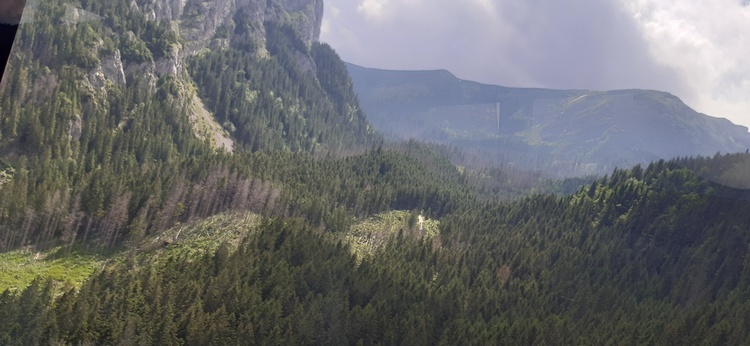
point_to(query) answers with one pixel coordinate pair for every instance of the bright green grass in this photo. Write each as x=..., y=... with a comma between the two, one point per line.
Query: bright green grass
x=18, y=268
x=197, y=238
x=72, y=267
x=370, y=235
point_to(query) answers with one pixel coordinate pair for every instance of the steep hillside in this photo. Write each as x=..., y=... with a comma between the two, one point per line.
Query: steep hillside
x=115, y=113
x=563, y=131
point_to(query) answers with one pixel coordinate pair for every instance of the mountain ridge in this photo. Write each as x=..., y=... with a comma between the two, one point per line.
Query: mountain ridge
x=594, y=130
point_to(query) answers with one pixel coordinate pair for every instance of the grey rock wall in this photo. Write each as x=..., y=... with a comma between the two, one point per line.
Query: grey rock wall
x=198, y=21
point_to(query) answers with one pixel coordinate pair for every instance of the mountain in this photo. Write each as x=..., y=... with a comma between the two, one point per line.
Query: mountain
x=189, y=172
x=117, y=114
x=564, y=131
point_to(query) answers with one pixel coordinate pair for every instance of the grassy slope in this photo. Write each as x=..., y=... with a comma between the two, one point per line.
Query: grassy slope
x=18, y=268
x=71, y=267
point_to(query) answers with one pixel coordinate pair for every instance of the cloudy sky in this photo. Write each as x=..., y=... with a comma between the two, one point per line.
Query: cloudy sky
x=695, y=49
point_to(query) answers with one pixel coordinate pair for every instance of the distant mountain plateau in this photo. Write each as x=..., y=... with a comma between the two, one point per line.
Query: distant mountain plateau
x=560, y=132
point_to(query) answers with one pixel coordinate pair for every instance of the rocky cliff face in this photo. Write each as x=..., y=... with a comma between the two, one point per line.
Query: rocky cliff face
x=205, y=24
x=109, y=69
x=209, y=25
x=168, y=9
x=201, y=25
x=220, y=23
x=310, y=17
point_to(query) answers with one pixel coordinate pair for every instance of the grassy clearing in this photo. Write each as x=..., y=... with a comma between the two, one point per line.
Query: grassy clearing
x=200, y=237
x=68, y=267
x=206, y=127
x=370, y=235
x=71, y=267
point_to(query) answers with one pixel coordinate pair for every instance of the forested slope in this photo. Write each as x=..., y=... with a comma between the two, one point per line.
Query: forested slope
x=271, y=104
x=97, y=140
x=646, y=256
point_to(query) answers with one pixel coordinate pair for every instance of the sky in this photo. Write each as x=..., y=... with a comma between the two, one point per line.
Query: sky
x=695, y=49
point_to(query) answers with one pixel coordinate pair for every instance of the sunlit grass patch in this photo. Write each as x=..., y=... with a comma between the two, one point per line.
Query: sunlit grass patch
x=197, y=238
x=71, y=267
x=368, y=236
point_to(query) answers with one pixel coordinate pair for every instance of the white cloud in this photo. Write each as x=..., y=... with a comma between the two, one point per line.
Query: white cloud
x=373, y=9
x=333, y=11
x=707, y=42
x=325, y=27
